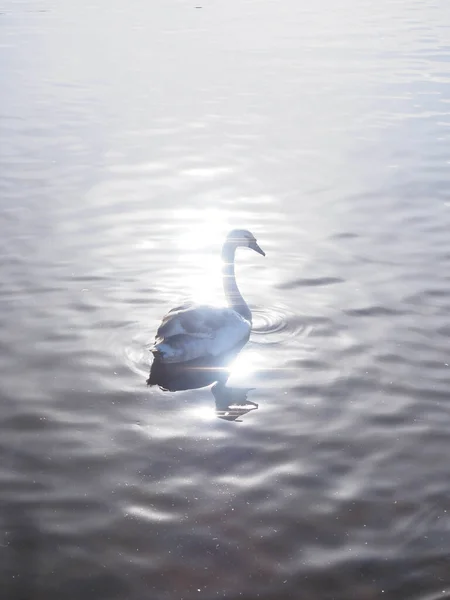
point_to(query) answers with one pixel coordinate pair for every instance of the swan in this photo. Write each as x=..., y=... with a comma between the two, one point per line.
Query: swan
x=190, y=332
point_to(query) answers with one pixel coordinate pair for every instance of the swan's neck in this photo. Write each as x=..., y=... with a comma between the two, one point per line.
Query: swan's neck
x=232, y=293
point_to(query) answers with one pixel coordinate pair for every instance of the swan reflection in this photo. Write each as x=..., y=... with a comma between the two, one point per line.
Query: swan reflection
x=230, y=402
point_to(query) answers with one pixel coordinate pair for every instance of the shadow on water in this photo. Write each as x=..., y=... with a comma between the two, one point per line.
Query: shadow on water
x=231, y=402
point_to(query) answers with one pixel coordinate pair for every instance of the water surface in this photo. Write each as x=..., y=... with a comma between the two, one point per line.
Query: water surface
x=132, y=138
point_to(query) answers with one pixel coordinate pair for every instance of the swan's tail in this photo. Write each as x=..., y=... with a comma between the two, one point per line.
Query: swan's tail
x=164, y=352
x=182, y=348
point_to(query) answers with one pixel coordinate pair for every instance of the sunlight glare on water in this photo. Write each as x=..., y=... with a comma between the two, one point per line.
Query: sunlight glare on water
x=134, y=136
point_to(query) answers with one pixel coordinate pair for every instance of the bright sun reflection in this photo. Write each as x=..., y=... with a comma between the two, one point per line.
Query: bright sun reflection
x=245, y=364
x=206, y=287
x=205, y=412
x=200, y=246
x=204, y=229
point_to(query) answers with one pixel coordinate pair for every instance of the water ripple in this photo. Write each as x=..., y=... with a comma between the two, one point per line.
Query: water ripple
x=130, y=345
x=277, y=324
x=324, y=129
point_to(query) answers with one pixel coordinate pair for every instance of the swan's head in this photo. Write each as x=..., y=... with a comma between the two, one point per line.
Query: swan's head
x=242, y=237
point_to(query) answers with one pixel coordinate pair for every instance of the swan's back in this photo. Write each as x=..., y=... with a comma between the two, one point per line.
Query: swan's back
x=189, y=332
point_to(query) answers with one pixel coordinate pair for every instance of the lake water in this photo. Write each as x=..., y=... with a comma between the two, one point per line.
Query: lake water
x=133, y=136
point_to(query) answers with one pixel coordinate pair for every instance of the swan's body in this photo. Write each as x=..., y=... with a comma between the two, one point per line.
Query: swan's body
x=190, y=331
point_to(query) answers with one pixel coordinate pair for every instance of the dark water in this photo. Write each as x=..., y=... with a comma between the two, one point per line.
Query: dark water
x=133, y=137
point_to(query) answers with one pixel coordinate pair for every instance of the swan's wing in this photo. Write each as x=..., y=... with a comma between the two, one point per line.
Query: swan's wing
x=198, y=321
x=190, y=333
x=186, y=306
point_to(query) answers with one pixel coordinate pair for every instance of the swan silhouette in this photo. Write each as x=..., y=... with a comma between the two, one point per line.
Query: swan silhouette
x=195, y=344
x=190, y=331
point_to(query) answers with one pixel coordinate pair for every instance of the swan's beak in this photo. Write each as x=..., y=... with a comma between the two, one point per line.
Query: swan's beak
x=254, y=246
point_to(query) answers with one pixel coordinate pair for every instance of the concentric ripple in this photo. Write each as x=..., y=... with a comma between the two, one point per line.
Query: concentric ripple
x=136, y=353
x=277, y=324
x=131, y=343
